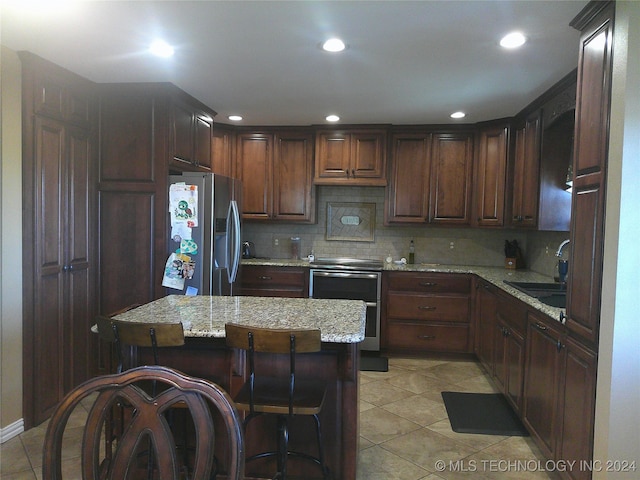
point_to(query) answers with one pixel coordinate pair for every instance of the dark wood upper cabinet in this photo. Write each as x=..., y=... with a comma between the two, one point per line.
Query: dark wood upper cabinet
x=410, y=172
x=276, y=170
x=350, y=157
x=593, y=100
x=490, y=175
x=223, y=150
x=430, y=178
x=526, y=181
x=254, y=167
x=191, y=136
x=451, y=177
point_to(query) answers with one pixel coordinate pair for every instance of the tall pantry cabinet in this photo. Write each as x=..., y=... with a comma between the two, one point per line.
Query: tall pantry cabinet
x=59, y=234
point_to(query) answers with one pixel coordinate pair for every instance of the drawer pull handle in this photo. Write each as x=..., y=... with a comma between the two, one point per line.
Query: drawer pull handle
x=427, y=337
x=539, y=326
x=428, y=284
x=426, y=308
x=264, y=278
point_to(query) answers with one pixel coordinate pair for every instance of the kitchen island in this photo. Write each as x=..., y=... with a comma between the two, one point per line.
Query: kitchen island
x=341, y=323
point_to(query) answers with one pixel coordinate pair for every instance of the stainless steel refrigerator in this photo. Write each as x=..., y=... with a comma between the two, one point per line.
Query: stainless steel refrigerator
x=204, y=241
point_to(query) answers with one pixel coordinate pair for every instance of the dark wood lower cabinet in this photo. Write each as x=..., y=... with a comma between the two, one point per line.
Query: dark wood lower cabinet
x=559, y=395
x=547, y=374
x=485, y=311
x=426, y=312
x=540, y=412
x=576, y=408
x=274, y=281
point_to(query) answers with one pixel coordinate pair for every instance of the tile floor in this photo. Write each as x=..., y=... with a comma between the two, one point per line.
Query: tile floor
x=404, y=431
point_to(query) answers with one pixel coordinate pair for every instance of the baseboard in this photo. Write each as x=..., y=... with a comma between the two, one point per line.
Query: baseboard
x=12, y=430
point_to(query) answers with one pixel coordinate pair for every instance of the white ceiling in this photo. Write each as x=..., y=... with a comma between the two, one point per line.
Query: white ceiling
x=410, y=62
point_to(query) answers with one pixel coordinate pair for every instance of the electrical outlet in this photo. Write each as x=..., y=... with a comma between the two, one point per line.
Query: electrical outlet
x=276, y=242
x=451, y=245
x=546, y=250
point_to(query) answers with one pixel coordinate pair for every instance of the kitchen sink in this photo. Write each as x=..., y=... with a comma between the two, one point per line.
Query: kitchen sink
x=549, y=293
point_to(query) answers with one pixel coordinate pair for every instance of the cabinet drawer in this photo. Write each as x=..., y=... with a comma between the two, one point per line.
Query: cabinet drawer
x=428, y=307
x=441, y=338
x=429, y=282
x=267, y=281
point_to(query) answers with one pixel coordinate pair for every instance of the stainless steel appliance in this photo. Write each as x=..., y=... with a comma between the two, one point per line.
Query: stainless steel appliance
x=214, y=247
x=351, y=279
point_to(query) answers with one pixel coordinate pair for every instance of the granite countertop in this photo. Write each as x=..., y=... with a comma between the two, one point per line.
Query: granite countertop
x=494, y=275
x=339, y=321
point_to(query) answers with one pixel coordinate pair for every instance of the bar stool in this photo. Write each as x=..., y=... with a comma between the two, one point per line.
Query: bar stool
x=284, y=397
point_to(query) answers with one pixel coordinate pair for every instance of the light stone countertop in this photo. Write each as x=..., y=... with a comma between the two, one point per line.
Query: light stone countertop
x=339, y=321
x=494, y=275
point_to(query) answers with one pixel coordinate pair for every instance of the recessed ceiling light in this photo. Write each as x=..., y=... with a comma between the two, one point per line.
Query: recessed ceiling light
x=160, y=48
x=458, y=115
x=333, y=45
x=332, y=118
x=513, y=40
x=234, y=118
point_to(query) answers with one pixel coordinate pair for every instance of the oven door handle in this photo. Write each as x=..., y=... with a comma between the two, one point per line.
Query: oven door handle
x=345, y=275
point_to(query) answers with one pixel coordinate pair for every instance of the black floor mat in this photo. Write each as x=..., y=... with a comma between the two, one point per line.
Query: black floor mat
x=483, y=413
x=374, y=364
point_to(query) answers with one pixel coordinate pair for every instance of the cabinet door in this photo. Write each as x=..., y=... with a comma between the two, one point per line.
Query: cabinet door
x=367, y=158
x=490, y=177
x=293, y=198
x=541, y=384
x=254, y=167
x=485, y=312
x=589, y=168
x=203, y=139
x=182, y=134
x=333, y=150
x=514, y=367
x=408, y=190
x=451, y=170
x=50, y=203
x=63, y=288
x=80, y=256
x=222, y=151
x=526, y=174
x=577, y=407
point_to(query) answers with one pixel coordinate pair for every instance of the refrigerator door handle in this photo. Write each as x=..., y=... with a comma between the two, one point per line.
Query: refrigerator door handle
x=233, y=240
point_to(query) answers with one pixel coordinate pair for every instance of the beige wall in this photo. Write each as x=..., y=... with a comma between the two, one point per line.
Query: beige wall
x=617, y=429
x=11, y=245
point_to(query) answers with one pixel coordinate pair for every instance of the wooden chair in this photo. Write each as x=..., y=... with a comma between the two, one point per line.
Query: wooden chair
x=147, y=422
x=285, y=396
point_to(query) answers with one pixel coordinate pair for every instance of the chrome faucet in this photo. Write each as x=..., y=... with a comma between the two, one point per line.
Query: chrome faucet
x=562, y=245
x=563, y=265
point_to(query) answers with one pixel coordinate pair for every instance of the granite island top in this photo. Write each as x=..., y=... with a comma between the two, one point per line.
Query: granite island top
x=494, y=275
x=339, y=321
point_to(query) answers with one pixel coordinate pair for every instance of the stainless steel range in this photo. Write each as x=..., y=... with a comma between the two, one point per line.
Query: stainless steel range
x=351, y=279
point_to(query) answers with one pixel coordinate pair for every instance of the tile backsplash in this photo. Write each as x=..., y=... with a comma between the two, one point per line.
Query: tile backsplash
x=444, y=245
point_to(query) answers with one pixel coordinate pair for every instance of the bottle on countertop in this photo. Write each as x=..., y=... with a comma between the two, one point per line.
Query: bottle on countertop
x=412, y=253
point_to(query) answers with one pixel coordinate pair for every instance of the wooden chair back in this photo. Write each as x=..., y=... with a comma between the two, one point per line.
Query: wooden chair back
x=270, y=340
x=148, y=423
x=140, y=334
